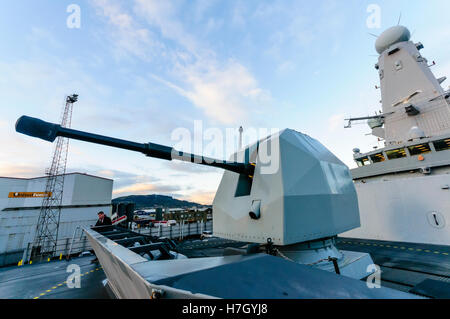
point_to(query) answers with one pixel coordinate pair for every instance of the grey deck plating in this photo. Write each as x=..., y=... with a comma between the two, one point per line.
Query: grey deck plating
x=46, y=280
x=418, y=268
x=251, y=276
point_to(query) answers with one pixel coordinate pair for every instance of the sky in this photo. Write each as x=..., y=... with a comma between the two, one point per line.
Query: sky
x=146, y=70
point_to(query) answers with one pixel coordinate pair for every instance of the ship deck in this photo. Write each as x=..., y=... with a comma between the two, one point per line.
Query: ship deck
x=418, y=268
x=47, y=280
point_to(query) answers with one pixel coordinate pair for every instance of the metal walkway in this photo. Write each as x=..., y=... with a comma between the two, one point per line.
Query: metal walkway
x=48, y=280
x=419, y=268
x=211, y=247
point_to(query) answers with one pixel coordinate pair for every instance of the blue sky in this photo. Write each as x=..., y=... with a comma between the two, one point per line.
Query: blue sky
x=145, y=68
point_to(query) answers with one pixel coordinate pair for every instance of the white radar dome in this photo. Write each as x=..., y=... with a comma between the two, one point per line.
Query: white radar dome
x=392, y=36
x=415, y=133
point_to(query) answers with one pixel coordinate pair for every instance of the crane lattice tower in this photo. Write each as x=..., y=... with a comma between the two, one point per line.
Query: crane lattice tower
x=46, y=236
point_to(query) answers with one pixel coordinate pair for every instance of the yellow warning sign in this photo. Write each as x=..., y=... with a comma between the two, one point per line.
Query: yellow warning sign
x=29, y=194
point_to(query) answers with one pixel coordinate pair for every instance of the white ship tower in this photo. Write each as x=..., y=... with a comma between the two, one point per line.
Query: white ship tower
x=403, y=188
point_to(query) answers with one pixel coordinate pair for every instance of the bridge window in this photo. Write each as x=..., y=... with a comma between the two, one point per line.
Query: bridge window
x=442, y=145
x=376, y=158
x=363, y=161
x=419, y=149
x=398, y=153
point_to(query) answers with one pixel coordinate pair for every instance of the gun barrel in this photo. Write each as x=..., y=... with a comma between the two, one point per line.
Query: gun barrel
x=49, y=131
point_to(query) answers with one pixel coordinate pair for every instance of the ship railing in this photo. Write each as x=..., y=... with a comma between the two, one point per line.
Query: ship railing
x=179, y=231
x=78, y=243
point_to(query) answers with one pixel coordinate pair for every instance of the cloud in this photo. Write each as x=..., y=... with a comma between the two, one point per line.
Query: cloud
x=128, y=36
x=285, y=67
x=121, y=178
x=443, y=70
x=38, y=88
x=225, y=93
x=189, y=167
x=161, y=14
x=335, y=121
x=201, y=197
x=239, y=14
x=146, y=188
x=127, y=183
x=300, y=29
x=295, y=26
x=39, y=35
x=21, y=156
x=224, y=90
x=20, y=170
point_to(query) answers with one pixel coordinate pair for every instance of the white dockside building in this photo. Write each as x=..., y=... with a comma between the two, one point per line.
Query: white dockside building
x=20, y=205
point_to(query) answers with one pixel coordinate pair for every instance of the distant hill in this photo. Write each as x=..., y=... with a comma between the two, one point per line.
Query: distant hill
x=153, y=201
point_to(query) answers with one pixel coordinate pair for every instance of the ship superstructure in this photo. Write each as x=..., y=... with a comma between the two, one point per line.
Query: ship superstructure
x=404, y=188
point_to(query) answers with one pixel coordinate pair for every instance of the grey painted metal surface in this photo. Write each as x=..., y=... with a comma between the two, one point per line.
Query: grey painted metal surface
x=408, y=163
x=406, y=79
x=406, y=266
x=407, y=198
x=392, y=36
x=248, y=277
x=124, y=281
x=404, y=208
x=177, y=231
x=305, y=193
x=47, y=280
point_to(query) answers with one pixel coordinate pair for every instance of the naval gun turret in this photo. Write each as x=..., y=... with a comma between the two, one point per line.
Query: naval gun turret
x=412, y=98
x=288, y=193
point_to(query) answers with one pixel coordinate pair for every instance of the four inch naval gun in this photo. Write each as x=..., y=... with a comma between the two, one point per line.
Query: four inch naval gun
x=49, y=132
x=286, y=192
